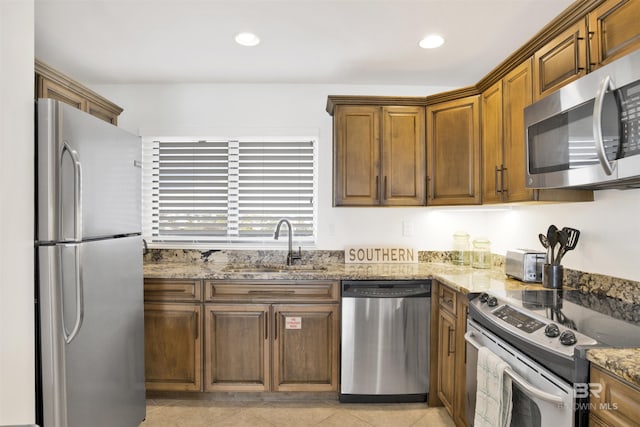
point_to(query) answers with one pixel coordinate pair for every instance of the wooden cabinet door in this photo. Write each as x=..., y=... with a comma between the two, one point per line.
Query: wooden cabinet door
x=237, y=351
x=492, y=138
x=616, y=403
x=173, y=346
x=356, y=156
x=305, y=347
x=460, y=393
x=517, y=94
x=453, y=152
x=615, y=30
x=562, y=60
x=403, y=164
x=446, y=358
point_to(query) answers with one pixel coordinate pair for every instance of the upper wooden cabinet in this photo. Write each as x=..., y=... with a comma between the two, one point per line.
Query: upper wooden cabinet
x=378, y=155
x=50, y=83
x=606, y=33
x=614, y=27
x=504, y=145
x=561, y=61
x=453, y=152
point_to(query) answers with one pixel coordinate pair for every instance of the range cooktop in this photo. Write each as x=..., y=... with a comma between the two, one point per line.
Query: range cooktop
x=556, y=327
x=559, y=320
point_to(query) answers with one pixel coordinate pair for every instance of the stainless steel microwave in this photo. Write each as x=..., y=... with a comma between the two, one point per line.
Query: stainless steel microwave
x=587, y=134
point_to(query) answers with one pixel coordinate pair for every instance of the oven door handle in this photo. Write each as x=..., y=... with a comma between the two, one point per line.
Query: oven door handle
x=528, y=388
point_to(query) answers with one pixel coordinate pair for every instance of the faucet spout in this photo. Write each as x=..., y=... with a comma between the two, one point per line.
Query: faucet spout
x=290, y=255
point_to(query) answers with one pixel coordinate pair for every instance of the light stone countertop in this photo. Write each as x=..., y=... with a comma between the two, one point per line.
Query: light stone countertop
x=463, y=279
x=621, y=362
x=624, y=363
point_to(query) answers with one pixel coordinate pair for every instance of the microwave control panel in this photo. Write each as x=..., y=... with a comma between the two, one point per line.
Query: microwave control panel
x=630, y=118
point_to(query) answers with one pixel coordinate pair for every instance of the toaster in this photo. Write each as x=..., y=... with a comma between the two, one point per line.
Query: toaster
x=525, y=265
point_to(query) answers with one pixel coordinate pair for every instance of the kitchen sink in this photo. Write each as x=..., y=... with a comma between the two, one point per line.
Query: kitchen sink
x=302, y=268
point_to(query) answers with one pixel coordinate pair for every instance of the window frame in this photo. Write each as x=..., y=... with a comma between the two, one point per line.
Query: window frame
x=149, y=169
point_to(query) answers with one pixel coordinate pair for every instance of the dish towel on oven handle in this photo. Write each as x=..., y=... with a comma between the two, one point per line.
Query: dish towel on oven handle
x=493, y=393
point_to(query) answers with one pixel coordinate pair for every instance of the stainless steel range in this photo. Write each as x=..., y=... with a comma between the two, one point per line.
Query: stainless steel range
x=543, y=335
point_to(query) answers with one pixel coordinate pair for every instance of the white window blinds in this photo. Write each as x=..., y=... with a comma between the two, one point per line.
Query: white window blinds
x=227, y=192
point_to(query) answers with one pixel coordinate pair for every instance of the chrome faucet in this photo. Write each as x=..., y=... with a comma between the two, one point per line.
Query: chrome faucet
x=290, y=256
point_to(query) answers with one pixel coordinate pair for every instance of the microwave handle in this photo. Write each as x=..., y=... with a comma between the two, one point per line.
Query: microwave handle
x=605, y=85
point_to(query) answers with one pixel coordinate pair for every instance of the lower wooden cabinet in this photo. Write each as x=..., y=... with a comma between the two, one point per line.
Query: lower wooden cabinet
x=271, y=347
x=256, y=336
x=616, y=403
x=173, y=346
x=237, y=351
x=450, y=375
x=446, y=358
x=305, y=347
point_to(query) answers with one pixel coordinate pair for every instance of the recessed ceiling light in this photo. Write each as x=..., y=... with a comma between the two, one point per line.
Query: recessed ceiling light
x=247, y=39
x=431, y=41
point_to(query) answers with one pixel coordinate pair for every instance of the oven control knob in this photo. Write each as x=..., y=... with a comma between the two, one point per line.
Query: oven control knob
x=568, y=338
x=492, y=301
x=484, y=297
x=552, y=330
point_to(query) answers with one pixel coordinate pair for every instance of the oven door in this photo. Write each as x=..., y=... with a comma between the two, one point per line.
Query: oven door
x=539, y=397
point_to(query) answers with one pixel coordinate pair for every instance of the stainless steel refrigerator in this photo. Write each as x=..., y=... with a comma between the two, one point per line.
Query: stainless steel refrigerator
x=89, y=284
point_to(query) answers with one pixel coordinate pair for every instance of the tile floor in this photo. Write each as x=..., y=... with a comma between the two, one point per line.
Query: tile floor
x=324, y=413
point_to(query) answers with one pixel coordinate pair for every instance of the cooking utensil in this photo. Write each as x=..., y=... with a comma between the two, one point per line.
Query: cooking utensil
x=563, y=238
x=552, y=238
x=543, y=240
x=572, y=240
x=545, y=243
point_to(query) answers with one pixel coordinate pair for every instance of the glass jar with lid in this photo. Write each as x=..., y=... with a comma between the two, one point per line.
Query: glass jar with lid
x=481, y=254
x=460, y=254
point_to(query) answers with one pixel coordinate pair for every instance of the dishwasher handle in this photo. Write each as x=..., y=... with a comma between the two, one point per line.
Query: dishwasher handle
x=386, y=289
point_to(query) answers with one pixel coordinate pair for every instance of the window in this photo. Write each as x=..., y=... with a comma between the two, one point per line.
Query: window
x=222, y=193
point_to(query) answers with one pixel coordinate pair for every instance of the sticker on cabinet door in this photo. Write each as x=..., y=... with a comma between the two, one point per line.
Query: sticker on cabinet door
x=293, y=322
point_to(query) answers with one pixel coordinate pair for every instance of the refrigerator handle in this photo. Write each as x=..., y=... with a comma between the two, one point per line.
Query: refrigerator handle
x=77, y=190
x=68, y=337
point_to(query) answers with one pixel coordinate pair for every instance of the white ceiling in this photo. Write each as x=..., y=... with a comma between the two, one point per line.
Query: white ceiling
x=303, y=41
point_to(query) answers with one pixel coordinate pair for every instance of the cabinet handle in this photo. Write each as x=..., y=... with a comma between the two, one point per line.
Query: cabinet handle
x=377, y=187
x=429, y=188
x=197, y=329
x=385, y=187
x=505, y=191
x=498, y=191
x=271, y=292
x=449, y=351
x=266, y=327
x=275, y=326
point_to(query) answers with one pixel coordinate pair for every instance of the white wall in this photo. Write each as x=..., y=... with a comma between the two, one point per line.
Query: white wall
x=609, y=225
x=17, y=401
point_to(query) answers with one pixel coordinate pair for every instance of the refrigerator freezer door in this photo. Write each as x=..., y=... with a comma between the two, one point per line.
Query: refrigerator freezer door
x=88, y=176
x=97, y=378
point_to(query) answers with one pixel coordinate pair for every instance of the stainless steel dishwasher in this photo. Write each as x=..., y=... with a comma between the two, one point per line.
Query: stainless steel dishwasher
x=385, y=340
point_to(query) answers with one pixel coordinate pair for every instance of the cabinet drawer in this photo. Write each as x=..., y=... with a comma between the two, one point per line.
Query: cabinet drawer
x=447, y=299
x=617, y=403
x=172, y=290
x=270, y=291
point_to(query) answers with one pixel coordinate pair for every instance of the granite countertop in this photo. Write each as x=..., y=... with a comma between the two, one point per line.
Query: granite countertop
x=624, y=363
x=621, y=362
x=463, y=279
